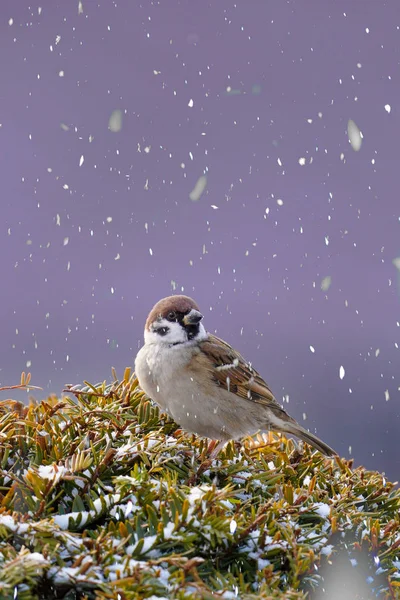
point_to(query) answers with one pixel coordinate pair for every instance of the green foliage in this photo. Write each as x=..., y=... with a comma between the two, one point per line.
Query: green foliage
x=102, y=497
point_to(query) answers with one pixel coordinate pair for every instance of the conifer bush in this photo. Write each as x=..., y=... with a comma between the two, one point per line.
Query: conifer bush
x=103, y=497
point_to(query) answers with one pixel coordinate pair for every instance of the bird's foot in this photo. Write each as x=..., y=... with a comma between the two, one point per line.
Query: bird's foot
x=207, y=458
x=202, y=468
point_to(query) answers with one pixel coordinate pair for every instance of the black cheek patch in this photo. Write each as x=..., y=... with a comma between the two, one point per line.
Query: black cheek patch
x=192, y=331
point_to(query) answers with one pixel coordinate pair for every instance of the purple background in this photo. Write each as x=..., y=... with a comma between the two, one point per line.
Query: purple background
x=69, y=311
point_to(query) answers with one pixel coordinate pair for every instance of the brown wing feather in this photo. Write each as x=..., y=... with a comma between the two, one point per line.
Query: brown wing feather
x=232, y=372
x=241, y=379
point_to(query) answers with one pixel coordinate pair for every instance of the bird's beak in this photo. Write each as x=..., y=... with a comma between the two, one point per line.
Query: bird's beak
x=192, y=318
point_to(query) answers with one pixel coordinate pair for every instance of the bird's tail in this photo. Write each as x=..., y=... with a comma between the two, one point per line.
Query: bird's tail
x=310, y=438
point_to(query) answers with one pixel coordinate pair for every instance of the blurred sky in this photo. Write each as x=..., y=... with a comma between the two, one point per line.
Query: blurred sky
x=96, y=225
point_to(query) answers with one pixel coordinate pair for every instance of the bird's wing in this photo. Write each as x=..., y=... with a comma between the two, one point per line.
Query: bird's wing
x=230, y=371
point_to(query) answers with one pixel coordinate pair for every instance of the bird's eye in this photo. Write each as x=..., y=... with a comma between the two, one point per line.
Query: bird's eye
x=161, y=330
x=171, y=316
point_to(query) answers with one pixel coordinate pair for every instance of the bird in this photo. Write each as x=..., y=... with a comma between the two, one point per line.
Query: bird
x=203, y=383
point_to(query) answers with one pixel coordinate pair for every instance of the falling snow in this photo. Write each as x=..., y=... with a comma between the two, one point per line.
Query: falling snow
x=115, y=121
x=354, y=134
x=326, y=283
x=169, y=162
x=198, y=189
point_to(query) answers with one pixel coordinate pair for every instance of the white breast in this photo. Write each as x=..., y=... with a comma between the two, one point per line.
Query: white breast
x=157, y=367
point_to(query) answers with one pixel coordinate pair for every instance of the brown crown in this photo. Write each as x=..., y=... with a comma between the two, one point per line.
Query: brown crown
x=181, y=304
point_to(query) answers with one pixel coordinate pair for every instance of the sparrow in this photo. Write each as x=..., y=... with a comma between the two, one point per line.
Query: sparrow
x=205, y=385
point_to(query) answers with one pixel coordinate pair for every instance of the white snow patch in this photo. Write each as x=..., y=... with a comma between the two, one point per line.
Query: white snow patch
x=149, y=542
x=63, y=520
x=168, y=530
x=53, y=472
x=132, y=449
x=323, y=510
x=67, y=575
x=35, y=557
x=198, y=492
x=8, y=521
